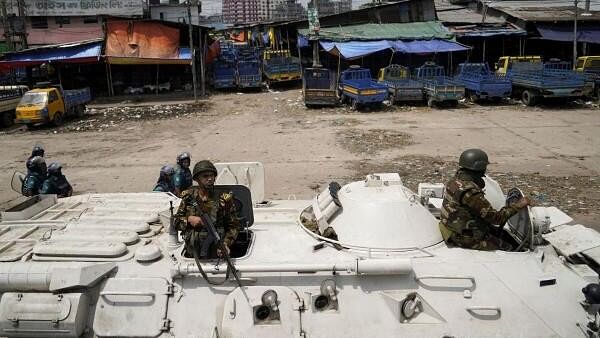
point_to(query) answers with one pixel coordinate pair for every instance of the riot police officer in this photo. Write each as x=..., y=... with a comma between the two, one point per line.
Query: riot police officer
x=183, y=177
x=165, y=179
x=36, y=175
x=37, y=150
x=220, y=207
x=56, y=183
x=467, y=218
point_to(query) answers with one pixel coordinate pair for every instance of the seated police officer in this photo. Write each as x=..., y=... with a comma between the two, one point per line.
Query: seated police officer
x=37, y=150
x=36, y=174
x=165, y=180
x=56, y=183
x=467, y=218
x=219, y=207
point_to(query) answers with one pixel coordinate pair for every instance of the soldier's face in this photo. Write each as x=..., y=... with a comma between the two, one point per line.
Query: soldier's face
x=185, y=163
x=206, y=179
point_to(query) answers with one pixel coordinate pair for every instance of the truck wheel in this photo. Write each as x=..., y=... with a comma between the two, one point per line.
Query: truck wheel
x=528, y=98
x=58, y=119
x=80, y=111
x=7, y=119
x=430, y=102
x=355, y=104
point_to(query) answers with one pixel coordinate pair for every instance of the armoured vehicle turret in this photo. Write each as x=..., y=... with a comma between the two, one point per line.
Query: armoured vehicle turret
x=358, y=260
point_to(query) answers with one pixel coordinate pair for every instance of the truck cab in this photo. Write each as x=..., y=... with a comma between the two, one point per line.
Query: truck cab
x=589, y=66
x=9, y=99
x=505, y=62
x=51, y=105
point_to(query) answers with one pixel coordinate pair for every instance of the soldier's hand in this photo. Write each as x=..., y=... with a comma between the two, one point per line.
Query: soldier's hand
x=195, y=221
x=220, y=252
x=522, y=203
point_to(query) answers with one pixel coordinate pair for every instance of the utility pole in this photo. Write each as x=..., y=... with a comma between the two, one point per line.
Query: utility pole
x=7, y=32
x=575, y=37
x=191, y=31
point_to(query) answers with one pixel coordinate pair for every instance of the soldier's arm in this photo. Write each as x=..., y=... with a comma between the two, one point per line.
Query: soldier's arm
x=478, y=204
x=233, y=222
x=181, y=215
x=46, y=188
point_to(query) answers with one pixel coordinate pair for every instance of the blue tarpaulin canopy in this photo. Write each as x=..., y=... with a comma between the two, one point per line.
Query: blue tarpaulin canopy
x=590, y=34
x=356, y=49
x=71, y=53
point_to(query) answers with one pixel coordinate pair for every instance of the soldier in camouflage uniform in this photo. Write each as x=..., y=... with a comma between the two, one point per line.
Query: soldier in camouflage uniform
x=203, y=199
x=467, y=218
x=183, y=177
x=35, y=177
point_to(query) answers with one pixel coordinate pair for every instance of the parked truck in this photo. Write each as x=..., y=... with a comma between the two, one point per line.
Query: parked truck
x=9, y=100
x=481, y=83
x=438, y=88
x=400, y=86
x=280, y=66
x=505, y=62
x=249, y=73
x=589, y=66
x=534, y=81
x=319, y=87
x=51, y=105
x=357, y=87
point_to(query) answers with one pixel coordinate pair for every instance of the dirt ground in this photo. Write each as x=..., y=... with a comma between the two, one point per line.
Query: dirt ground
x=551, y=152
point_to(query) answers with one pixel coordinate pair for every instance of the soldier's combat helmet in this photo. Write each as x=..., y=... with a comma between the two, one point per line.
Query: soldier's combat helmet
x=38, y=164
x=54, y=169
x=203, y=166
x=473, y=159
x=183, y=156
x=37, y=150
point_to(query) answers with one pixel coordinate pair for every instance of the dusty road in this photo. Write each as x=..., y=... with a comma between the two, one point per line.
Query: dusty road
x=552, y=153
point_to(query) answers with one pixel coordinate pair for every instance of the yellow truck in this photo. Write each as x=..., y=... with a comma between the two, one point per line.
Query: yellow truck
x=51, y=105
x=589, y=66
x=505, y=62
x=10, y=96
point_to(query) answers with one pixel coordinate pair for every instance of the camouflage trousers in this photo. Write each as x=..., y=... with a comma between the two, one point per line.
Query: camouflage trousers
x=486, y=242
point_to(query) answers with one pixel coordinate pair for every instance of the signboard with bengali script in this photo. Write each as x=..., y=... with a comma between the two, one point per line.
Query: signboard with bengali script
x=84, y=7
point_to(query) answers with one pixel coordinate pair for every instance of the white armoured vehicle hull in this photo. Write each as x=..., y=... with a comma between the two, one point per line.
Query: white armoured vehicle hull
x=102, y=265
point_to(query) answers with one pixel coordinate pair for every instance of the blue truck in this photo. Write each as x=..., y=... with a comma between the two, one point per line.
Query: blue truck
x=249, y=73
x=400, y=86
x=437, y=87
x=357, y=87
x=481, y=83
x=280, y=66
x=319, y=87
x=534, y=81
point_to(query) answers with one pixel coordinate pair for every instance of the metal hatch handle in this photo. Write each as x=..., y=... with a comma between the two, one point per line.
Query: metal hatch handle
x=127, y=293
x=469, y=278
x=473, y=310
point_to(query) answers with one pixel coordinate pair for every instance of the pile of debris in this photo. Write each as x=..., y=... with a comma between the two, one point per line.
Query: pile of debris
x=98, y=119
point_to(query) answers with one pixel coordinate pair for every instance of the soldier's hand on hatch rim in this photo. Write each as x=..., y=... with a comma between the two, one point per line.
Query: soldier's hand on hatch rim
x=220, y=252
x=522, y=203
x=195, y=221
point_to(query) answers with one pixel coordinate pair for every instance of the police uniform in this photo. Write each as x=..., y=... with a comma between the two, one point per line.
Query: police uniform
x=32, y=183
x=182, y=179
x=57, y=184
x=221, y=211
x=467, y=216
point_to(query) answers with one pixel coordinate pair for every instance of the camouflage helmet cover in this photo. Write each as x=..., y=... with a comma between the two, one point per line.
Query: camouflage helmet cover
x=203, y=166
x=473, y=159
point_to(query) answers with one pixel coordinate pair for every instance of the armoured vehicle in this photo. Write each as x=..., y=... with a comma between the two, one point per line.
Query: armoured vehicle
x=359, y=260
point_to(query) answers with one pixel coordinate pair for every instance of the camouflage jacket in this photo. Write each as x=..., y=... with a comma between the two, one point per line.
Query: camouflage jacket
x=32, y=184
x=182, y=179
x=57, y=185
x=220, y=209
x=466, y=211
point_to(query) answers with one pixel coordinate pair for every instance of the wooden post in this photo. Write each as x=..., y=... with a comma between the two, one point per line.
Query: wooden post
x=156, y=90
x=202, y=44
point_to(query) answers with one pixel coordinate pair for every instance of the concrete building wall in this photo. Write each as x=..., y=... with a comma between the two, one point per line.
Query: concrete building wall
x=174, y=13
x=240, y=11
x=56, y=30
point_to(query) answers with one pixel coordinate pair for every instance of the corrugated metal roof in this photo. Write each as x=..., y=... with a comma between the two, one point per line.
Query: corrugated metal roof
x=388, y=31
x=487, y=30
x=548, y=10
x=451, y=13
